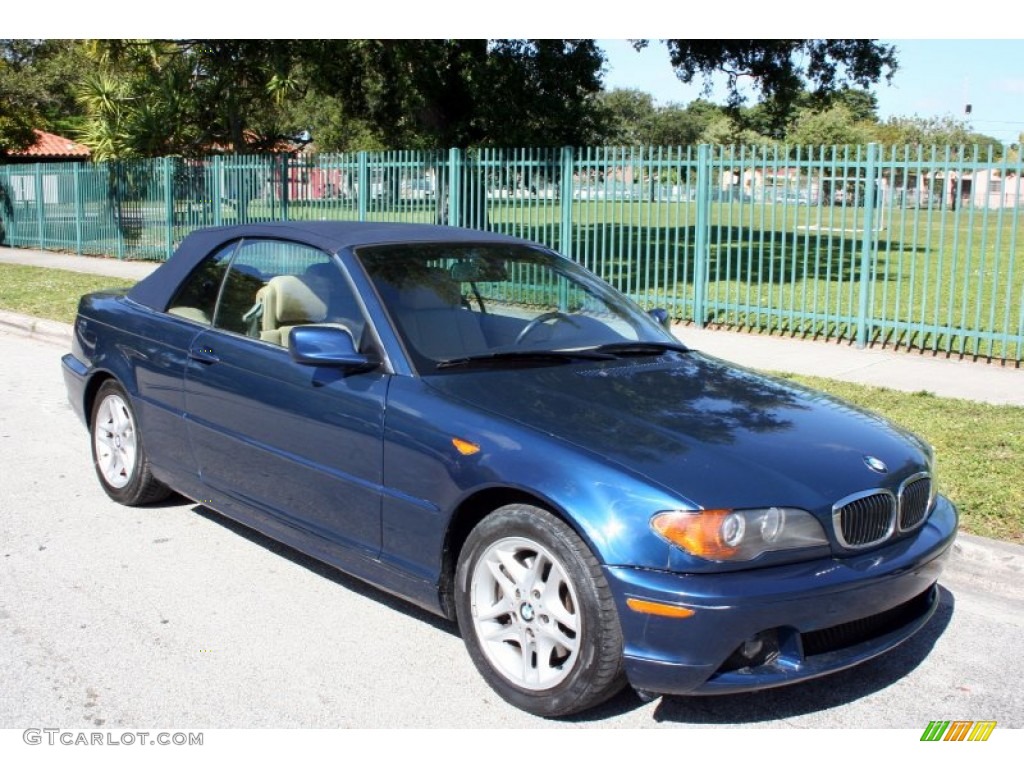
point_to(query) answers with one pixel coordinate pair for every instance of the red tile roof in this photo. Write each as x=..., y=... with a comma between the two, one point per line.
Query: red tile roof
x=51, y=145
x=281, y=146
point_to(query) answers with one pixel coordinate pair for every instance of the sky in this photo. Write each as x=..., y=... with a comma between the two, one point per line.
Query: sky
x=935, y=78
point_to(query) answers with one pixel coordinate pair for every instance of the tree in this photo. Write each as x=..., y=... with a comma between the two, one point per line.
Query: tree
x=463, y=93
x=626, y=114
x=18, y=115
x=1013, y=153
x=248, y=94
x=674, y=125
x=147, y=97
x=946, y=131
x=37, y=89
x=629, y=117
x=726, y=130
x=185, y=97
x=775, y=118
x=835, y=126
x=861, y=104
x=334, y=130
x=781, y=70
x=436, y=94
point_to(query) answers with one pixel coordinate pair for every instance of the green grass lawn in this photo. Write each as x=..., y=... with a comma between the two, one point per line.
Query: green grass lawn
x=49, y=293
x=980, y=447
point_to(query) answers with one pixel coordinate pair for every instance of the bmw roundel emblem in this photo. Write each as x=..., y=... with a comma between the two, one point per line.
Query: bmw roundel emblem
x=876, y=465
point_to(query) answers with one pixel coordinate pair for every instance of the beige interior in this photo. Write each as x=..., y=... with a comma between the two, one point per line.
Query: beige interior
x=288, y=301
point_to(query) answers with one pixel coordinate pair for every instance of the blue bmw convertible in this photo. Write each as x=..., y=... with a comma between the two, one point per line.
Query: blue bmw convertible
x=480, y=426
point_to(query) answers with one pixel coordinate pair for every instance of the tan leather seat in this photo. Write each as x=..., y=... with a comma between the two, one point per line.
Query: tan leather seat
x=288, y=301
x=190, y=313
x=435, y=322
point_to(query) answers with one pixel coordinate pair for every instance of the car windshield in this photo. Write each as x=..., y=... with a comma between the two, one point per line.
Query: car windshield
x=459, y=306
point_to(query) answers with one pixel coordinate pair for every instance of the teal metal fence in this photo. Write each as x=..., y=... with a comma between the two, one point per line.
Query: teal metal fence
x=913, y=248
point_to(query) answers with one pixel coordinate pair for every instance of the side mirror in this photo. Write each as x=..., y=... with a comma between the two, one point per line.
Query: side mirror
x=661, y=317
x=327, y=345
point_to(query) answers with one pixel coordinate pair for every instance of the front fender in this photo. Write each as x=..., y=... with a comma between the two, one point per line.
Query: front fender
x=426, y=479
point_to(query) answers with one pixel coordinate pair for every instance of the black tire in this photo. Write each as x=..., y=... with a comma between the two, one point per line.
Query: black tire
x=555, y=648
x=118, y=455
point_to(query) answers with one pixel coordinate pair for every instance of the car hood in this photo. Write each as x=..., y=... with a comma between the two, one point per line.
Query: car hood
x=714, y=434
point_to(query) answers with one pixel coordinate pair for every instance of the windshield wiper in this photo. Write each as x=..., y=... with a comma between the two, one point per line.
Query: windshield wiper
x=631, y=348
x=544, y=356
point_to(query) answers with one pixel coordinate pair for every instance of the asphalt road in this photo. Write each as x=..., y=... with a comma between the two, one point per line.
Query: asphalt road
x=172, y=617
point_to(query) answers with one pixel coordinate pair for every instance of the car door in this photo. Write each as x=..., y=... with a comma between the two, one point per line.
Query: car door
x=160, y=359
x=297, y=446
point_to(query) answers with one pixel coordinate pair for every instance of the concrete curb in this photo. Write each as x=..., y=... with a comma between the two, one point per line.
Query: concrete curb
x=49, y=331
x=991, y=554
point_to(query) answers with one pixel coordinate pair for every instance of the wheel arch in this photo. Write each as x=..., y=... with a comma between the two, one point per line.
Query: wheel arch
x=467, y=516
x=140, y=486
x=92, y=387
x=583, y=652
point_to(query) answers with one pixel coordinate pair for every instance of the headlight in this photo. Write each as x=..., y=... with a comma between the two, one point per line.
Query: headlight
x=739, y=534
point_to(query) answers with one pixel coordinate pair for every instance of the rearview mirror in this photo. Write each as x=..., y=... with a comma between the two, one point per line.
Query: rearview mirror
x=661, y=316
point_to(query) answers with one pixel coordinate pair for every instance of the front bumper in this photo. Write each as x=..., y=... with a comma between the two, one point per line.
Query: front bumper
x=815, y=617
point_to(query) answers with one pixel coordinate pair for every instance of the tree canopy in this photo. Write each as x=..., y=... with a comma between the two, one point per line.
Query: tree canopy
x=781, y=70
x=138, y=98
x=36, y=89
x=460, y=93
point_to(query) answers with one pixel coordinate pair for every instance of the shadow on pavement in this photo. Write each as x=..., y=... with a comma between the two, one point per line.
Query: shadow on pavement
x=743, y=708
x=331, y=574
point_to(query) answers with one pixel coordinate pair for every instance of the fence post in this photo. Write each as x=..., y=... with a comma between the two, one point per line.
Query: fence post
x=40, y=212
x=565, y=231
x=218, y=190
x=701, y=245
x=6, y=193
x=286, y=169
x=454, y=187
x=169, y=205
x=79, y=211
x=363, y=185
x=867, y=243
x=115, y=167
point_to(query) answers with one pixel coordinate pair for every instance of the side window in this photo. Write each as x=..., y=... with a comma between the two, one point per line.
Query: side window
x=274, y=286
x=197, y=297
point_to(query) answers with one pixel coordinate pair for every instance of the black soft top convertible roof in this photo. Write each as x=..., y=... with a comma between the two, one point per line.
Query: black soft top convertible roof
x=157, y=290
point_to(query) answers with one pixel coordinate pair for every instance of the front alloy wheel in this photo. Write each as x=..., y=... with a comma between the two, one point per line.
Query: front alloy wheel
x=536, y=613
x=525, y=613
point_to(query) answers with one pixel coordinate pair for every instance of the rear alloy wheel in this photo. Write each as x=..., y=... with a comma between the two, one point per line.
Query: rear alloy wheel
x=536, y=613
x=117, y=452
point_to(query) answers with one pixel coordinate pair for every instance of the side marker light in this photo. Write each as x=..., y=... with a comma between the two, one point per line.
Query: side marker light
x=659, y=609
x=465, y=447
